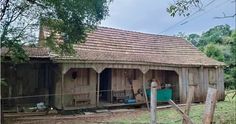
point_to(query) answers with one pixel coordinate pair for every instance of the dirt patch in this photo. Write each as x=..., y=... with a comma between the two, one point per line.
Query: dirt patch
x=107, y=117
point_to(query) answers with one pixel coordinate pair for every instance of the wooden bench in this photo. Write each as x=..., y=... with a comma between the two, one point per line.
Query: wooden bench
x=81, y=99
x=118, y=96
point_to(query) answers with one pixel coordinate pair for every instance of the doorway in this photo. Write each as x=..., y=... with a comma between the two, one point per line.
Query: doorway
x=105, y=86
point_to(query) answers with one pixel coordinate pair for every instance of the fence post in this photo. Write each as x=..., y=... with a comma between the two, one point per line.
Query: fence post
x=189, y=101
x=153, y=102
x=210, y=105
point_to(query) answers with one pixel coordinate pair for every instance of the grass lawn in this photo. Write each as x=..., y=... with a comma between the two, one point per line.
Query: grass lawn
x=225, y=113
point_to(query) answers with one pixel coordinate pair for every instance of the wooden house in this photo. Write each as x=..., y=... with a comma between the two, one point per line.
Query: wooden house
x=112, y=63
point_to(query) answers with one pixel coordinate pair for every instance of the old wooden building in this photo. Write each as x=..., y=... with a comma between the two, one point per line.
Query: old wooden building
x=111, y=63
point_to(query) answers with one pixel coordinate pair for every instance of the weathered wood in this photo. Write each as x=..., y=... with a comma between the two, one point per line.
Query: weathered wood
x=189, y=101
x=212, y=77
x=169, y=106
x=210, y=106
x=234, y=95
x=98, y=88
x=220, y=84
x=183, y=84
x=136, y=87
x=57, y=79
x=201, y=83
x=145, y=94
x=153, y=102
x=205, y=82
x=180, y=85
x=217, y=71
x=195, y=80
x=62, y=91
x=189, y=121
x=92, y=85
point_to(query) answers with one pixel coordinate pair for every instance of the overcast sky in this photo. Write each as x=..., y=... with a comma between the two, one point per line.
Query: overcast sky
x=150, y=16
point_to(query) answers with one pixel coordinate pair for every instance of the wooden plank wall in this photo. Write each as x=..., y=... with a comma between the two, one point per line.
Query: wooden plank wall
x=27, y=80
x=58, y=80
x=215, y=79
x=194, y=72
x=201, y=78
x=120, y=78
x=183, y=82
x=85, y=82
x=155, y=74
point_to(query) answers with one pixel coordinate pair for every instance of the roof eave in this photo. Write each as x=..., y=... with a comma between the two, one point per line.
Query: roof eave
x=74, y=60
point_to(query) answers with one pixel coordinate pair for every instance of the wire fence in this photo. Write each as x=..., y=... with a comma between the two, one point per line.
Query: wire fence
x=224, y=113
x=61, y=94
x=101, y=98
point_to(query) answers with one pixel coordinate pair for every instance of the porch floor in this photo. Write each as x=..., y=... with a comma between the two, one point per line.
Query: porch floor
x=104, y=105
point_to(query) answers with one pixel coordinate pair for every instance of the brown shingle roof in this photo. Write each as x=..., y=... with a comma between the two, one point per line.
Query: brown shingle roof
x=115, y=45
x=109, y=44
x=33, y=52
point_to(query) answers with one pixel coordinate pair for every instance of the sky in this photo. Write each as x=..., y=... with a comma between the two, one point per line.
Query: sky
x=150, y=16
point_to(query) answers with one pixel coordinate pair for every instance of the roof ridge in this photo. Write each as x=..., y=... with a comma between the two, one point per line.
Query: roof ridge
x=145, y=33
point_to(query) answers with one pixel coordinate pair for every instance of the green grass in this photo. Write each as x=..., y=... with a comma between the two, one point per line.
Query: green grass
x=225, y=112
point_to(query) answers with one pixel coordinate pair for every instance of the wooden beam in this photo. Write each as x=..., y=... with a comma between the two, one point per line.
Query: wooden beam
x=189, y=121
x=62, y=91
x=98, y=88
x=210, y=105
x=144, y=91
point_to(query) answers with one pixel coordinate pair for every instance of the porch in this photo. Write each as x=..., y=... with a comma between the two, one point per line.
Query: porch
x=88, y=86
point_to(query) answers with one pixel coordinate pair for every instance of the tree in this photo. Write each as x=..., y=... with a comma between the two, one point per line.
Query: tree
x=194, y=39
x=232, y=65
x=233, y=48
x=72, y=19
x=182, y=35
x=214, y=51
x=183, y=7
x=215, y=35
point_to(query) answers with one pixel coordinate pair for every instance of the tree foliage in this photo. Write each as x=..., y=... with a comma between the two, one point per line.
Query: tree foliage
x=214, y=51
x=183, y=7
x=215, y=35
x=72, y=19
x=194, y=39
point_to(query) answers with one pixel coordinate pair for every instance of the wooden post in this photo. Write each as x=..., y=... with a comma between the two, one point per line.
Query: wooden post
x=98, y=88
x=62, y=91
x=144, y=91
x=189, y=121
x=189, y=101
x=210, y=105
x=153, y=102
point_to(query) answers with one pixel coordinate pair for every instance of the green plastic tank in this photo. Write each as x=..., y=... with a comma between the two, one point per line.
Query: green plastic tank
x=163, y=95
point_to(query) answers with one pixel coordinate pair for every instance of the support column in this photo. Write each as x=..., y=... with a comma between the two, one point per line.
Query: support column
x=183, y=84
x=64, y=69
x=201, y=83
x=144, y=90
x=98, y=87
x=62, y=91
